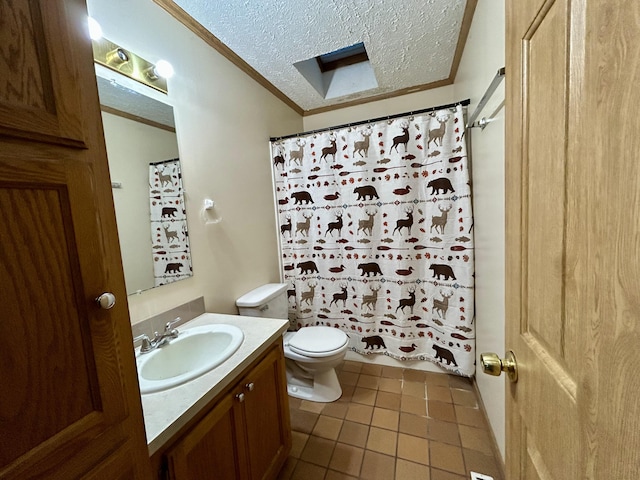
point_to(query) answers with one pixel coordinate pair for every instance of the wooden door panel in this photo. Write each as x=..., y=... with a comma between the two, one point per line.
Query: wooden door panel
x=19, y=40
x=119, y=466
x=62, y=353
x=549, y=382
x=544, y=84
x=62, y=385
x=37, y=67
x=547, y=407
x=266, y=414
x=212, y=449
x=533, y=468
x=539, y=185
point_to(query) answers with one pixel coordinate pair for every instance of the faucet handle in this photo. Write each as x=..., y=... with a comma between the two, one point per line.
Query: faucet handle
x=169, y=326
x=146, y=345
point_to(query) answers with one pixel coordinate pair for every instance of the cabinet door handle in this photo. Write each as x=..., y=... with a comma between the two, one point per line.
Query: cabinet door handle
x=250, y=386
x=240, y=397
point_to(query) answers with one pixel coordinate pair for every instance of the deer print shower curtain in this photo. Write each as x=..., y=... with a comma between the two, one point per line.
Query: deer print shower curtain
x=169, y=236
x=376, y=236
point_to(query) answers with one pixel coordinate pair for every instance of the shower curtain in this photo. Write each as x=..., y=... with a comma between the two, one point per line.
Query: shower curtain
x=169, y=235
x=376, y=236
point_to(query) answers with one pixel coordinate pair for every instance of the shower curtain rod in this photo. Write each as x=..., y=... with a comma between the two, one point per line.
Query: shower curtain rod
x=471, y=123
x=164, y=161
x=372, y=120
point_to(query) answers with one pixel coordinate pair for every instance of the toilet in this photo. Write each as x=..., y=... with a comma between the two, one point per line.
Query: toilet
x=311, y=353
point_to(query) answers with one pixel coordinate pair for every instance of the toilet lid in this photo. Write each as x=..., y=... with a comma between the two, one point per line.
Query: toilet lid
x=317, y=341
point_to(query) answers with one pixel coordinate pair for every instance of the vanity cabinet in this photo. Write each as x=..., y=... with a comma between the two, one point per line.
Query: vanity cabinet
x=244, y=434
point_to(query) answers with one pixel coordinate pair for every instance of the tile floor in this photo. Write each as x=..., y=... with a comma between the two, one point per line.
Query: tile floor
x=391, y=423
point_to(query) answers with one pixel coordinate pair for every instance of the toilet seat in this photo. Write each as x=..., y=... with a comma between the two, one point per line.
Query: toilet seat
x=316, y=342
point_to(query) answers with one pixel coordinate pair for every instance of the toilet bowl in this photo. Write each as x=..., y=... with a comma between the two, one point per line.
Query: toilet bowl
x=311, y=353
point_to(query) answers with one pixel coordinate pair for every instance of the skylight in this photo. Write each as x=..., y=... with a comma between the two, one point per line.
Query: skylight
x=345, y=71
x=342, y=57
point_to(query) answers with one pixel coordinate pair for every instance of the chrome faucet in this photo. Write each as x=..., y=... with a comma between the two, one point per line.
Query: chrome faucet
x=159, y=339
x=169, y=333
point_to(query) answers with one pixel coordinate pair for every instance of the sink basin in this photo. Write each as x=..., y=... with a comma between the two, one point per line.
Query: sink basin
x=196, y=351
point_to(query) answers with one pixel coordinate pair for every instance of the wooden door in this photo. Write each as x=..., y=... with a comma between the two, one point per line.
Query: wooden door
x=214, y=448
x=266, y=413
x=573, y=238
x=70, y=404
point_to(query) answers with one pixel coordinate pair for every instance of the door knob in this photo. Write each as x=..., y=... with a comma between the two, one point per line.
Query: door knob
x=240, y=397
x=494, y=365
x=107, y=300
x=250, y=386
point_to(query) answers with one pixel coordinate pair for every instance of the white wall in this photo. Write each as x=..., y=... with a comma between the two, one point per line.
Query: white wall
x=224, y=120
x=131, y=146
x=482, y=57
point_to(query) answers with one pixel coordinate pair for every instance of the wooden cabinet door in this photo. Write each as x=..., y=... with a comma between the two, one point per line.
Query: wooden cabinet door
x=214, y=448
x=70, y=405
x=246, y=435
x=266, y=413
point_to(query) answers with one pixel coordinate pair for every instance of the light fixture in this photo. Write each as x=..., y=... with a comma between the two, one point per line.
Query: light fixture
x=117, y=57
x=126, y=62
x=151, y=73
x=164, y=69
x=95, y=30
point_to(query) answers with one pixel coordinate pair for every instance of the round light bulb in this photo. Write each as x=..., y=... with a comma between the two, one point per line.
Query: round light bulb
x=164, y=69
x=95, y=30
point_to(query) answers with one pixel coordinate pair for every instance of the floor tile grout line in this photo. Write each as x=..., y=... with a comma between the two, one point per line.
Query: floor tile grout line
x=399, y=411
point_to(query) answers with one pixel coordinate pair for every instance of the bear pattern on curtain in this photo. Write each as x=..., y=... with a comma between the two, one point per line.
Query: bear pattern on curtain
x=376, y=236
x=169, y=235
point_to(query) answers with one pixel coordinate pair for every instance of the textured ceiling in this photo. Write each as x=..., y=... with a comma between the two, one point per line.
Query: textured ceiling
x=410, y=43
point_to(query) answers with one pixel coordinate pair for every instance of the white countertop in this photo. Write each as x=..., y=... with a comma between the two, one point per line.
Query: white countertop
x=166, y=412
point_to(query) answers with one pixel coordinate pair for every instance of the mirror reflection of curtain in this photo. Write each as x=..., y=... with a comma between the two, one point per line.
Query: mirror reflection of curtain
x=169, y=235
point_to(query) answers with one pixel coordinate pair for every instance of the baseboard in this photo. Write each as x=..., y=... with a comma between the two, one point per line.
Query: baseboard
x=494, y=444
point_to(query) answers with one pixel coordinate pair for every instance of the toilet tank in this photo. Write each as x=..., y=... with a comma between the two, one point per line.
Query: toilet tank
x=268, y=301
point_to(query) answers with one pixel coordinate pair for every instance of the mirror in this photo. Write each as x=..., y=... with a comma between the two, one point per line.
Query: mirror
x=142, y=149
